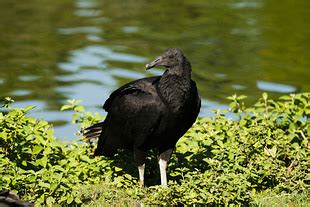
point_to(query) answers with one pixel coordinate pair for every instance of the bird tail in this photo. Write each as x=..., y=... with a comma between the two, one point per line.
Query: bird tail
x=94, y=131
x=98, y=131
x=107, y=144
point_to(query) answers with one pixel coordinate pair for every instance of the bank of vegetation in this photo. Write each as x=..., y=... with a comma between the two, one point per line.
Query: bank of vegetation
x=247, y=155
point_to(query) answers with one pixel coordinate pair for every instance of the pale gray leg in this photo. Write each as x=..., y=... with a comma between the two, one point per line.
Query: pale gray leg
x=141, y=174
x=140, y=163
x=163, y=164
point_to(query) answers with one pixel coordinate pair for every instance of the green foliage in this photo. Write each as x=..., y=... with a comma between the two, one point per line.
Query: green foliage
x=80, y=116
x=41, y=168
x=265, y=147
x=269, y=198
x=6, y=101
x=228, y=159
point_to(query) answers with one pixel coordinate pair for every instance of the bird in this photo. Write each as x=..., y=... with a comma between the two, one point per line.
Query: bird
x=11, y=199
x=150, y=113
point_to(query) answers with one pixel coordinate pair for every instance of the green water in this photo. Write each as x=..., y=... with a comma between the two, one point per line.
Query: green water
x=51, y=51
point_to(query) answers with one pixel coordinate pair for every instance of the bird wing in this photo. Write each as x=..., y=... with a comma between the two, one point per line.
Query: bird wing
x=142, y=85
x=190, y=110
x=196, y=99
x=193, y=106
x=134, y=112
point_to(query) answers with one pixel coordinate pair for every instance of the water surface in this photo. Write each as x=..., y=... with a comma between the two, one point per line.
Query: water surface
x=51, y=51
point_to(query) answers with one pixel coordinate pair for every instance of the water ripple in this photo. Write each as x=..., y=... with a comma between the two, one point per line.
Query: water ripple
x=76, y=30
x=86, y=4
x=87, y=13
x=275, y=87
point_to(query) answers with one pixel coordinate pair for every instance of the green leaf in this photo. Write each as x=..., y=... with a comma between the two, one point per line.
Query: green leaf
x=37, y=149
x=232, y=105
x=50, y=201
x=32, y=178
x=220, y=143
x=69, y=199
x=44, y=184
x=241, y=97
x=265, y=96
x=28, y=108
x=77, y=200
x=273, y=151
x=24, y=163
x=286, y=97
x=79, y=109
x=41, y=199
x=42, y=161
x=65, y=107
x=74, y=102
x=53, y=186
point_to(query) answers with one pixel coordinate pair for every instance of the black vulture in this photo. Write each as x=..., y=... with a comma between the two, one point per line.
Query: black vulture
x=10, y=199
x=152, y=112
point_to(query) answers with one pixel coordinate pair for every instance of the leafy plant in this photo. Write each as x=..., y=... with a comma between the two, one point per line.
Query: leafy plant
x=266, y=147
x=40, y=167
x=228, y=159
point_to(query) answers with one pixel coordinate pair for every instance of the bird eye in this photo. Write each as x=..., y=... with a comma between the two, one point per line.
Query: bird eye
x=170, y=56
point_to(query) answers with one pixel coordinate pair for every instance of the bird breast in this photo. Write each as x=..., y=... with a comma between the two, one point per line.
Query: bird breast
x=174, y=91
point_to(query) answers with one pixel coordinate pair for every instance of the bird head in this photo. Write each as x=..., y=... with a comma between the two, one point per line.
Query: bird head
x=170, y=58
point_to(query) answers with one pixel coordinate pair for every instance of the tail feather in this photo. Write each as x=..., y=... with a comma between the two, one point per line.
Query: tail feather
x=107, y=144
x=94, y=131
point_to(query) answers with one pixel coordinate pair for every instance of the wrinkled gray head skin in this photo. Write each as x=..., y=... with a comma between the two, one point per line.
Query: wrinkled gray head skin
x=170, y=58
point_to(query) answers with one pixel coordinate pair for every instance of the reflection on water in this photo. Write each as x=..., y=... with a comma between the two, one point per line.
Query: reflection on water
x=275, y=87
x=84, y=49
x=76, y=30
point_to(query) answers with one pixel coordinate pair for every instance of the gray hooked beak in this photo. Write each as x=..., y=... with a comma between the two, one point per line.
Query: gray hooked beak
x=156, y=62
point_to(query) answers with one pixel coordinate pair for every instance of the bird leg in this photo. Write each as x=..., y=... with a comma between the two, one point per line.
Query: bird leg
x=140, y=157
x=164, y=158
x=141, y=174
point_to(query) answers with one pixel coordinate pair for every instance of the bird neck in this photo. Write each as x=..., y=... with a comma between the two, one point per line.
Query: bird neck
x=174, y=86
x=184, y=69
